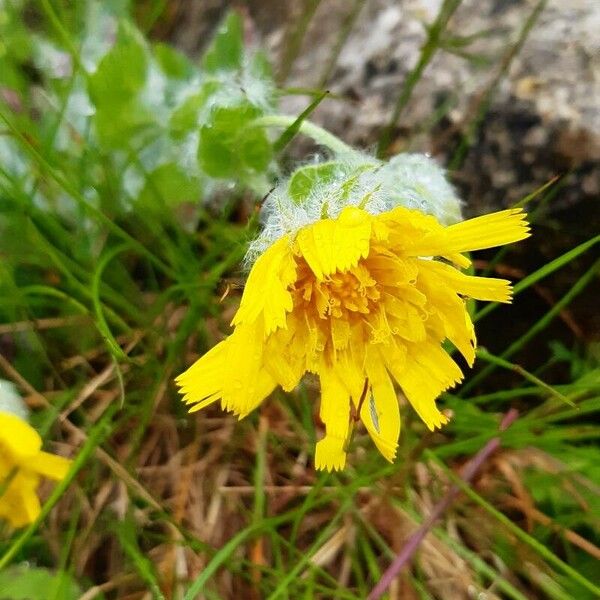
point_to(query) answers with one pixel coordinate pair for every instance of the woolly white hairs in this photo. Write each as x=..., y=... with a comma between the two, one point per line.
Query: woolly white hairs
x=11, y=402
x=231, y=89
x=414, y=181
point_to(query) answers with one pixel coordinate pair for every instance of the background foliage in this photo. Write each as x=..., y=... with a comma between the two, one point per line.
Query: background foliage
x=130, y=177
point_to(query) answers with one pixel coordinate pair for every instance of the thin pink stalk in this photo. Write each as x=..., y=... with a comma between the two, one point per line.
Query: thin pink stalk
x=468, y=473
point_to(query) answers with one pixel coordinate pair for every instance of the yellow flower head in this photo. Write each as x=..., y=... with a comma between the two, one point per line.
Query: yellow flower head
x=363, y=301
x=22, y=463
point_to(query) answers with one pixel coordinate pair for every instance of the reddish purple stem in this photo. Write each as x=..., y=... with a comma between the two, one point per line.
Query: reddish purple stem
x=468, y=473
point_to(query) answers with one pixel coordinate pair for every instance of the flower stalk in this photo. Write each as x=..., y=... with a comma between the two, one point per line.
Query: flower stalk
x=309, y=129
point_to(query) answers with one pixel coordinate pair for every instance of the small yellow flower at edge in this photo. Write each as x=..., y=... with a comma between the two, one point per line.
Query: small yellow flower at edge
x=362, y=301
x=22, y=464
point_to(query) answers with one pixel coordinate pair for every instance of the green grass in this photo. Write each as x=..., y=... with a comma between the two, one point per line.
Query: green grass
x=114, y=260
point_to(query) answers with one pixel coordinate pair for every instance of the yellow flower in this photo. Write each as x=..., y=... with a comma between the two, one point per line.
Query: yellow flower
x=362, y=300
x=22, y=463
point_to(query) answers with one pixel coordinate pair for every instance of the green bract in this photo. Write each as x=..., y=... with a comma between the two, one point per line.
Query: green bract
x=324, y=189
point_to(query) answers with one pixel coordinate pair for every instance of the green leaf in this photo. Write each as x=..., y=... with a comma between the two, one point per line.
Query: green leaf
x=122, y=71
x=216, y=157
x=260, y=67
x=255, y=150
x=114, y=89
x=172, y=63
x=227, y=147
x=15, y=48
x=168, y=186
x=116, y=127
x=226, y=50
x=21, y=583
x=185, y=117
x=305, y=179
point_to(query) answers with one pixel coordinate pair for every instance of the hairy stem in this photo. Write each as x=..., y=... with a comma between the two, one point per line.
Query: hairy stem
x=320, y=135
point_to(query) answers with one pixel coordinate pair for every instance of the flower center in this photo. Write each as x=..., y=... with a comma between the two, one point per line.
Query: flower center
x=345, y=294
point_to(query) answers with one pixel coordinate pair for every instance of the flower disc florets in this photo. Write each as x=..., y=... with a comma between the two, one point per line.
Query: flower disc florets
x=364, y=301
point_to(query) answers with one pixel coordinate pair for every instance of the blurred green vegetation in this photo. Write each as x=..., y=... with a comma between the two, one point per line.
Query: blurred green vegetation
x=130, y=176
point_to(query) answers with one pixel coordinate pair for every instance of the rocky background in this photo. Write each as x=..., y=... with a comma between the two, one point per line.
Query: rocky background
x=543, y=118
x=509, y=100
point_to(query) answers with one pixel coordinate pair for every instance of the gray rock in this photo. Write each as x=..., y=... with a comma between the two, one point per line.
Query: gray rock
x=544, y=117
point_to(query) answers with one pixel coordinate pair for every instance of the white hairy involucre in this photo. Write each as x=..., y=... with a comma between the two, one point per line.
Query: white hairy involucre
x=414, y=181
x=11, y=402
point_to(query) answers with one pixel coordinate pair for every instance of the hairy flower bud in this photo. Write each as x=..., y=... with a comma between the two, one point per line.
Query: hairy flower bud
x=324, y=189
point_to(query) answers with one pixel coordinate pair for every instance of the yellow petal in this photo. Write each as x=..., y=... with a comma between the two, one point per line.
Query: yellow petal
x=207, y=401
x=459, y=260
x=286, y=373
x=488, y=231
x=313, y=341
x=480, y=288
x=335, y=404
x=18, y=438
x=350, y=370
x=390, y=270
x=260, y=388
x=335, y=413
x=245, y=376
x=330, y=454
x=19, y=504
x=340, y=333
x=336, y=245
x=202, y=383
x=462, y=335
x=50, y=465
x=232, y=371
x=448, y=315
x=380, y=411
x=410, y=223
x=406, y=323
x=422, y=395
x=427, y=372
x=284, y=354
x=30, y=509
x=266, y=292
x=436, y=361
